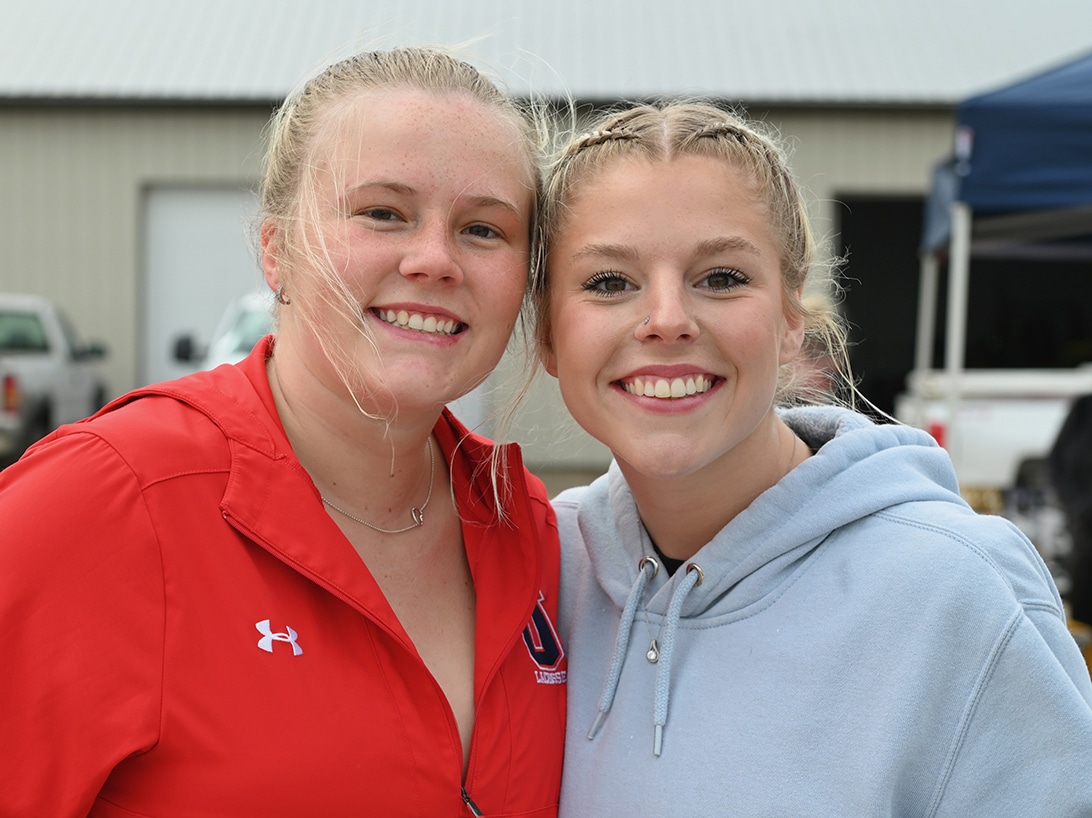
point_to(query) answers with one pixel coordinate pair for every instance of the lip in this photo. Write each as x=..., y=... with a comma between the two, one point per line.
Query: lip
x=419, y=320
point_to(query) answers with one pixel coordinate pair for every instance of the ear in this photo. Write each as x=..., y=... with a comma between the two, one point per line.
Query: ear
x=546, y=350
x=270, y=253
x=792, y=338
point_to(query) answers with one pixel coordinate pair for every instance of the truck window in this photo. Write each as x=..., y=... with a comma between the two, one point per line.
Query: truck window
x=22, y=332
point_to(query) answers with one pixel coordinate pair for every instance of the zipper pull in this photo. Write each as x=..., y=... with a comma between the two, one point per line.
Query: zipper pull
x=477, y=813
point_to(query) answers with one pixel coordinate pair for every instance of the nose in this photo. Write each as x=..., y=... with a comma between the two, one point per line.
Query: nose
x=667, y=315
x=430, y=255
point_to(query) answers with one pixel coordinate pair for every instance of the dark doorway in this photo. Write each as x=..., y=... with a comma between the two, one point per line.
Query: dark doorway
x=879, y=238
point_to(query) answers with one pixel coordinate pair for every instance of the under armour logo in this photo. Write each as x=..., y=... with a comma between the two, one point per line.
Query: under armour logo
x=268, y=638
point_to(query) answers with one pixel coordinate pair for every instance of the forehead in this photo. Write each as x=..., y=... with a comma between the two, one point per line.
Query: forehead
x=702, y=192
x=368, y=122
x=624, y=173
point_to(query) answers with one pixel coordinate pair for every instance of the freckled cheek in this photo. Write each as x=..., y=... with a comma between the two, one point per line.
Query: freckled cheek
x=505, y=295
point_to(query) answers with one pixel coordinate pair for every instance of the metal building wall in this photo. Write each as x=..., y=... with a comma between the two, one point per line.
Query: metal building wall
x=70, y=213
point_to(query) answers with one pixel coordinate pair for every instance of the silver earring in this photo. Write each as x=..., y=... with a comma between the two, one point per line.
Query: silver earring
x=281, y=297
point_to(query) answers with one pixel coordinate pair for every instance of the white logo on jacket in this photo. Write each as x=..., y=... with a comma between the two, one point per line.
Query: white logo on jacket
x=269, y=637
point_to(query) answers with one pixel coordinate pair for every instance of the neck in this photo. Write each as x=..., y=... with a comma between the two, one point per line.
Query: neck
x=683, y=514
x=372, y=467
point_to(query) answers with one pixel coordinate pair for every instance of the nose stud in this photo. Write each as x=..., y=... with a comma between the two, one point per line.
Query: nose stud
x=645, y=322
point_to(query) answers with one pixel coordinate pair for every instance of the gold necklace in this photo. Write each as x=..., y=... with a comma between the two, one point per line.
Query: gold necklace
x=418, y=514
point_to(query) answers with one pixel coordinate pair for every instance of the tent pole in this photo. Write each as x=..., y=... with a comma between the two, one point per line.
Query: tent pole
x=927, y=313
x=927, y=323
x=959, y=264
x=955, y=342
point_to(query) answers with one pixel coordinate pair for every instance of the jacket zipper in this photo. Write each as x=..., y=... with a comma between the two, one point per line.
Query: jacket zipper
x=477, y=813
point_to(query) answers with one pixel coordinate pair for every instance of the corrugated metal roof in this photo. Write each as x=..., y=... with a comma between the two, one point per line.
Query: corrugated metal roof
x=922, y=52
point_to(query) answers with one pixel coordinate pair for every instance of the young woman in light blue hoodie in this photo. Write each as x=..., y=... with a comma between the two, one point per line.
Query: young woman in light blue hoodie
x=770, y=611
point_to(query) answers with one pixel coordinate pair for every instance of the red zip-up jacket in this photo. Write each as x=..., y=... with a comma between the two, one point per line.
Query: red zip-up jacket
x=185, y=631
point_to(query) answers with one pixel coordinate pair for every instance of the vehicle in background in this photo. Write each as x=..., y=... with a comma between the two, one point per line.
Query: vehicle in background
x=996, y=424
x=47, y=375
x=246, y=321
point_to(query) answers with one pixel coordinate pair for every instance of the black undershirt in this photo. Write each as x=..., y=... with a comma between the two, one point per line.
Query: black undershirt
x=670, y=564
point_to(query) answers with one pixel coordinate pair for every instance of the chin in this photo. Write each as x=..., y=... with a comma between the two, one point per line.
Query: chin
x=651, y=466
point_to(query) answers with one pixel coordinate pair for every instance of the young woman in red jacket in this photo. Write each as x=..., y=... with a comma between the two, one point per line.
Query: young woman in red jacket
x=298, y=585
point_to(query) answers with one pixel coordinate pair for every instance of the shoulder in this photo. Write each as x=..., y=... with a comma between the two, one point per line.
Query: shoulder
x=178, y=426
x=988, y=541
x=576, y=502
x=151, y=434
x=586, y=522
x=946, y=555
x=567, y=503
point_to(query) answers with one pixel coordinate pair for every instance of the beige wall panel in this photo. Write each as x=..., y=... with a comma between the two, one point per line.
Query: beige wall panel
x=862, y=153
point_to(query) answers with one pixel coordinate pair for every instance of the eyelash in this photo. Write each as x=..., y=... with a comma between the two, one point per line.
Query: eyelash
x=594, y=283
x=735, y=279
x=493, y=232
x=382, y=214
x=386, y=214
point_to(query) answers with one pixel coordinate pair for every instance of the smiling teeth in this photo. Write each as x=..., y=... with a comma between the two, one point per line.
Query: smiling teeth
x=664, y=388
x=418, y=322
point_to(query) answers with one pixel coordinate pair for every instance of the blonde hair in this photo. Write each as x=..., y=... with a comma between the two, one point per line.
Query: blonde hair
x=663, y=130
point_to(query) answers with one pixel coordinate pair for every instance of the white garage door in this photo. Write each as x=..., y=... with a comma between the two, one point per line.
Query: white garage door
x=200, y=252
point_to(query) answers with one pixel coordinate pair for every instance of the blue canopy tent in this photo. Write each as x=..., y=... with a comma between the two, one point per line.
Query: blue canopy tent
x=1018, y=184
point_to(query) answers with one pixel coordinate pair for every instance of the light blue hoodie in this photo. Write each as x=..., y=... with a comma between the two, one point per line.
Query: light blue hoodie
x=862, y=644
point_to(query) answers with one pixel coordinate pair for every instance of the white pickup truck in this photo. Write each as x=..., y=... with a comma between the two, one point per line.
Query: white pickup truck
x=47, y=375
x=996, y=424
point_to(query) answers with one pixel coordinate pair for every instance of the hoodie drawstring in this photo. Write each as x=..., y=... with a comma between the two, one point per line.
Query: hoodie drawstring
x=694, y=577
x=621, y=643
x=647, y=569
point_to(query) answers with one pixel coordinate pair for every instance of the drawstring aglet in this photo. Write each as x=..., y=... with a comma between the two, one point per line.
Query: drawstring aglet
x=657, y=744
x=602, y=714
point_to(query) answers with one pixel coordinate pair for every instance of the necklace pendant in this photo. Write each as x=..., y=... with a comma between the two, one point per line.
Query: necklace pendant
x=653, y=654
x=418, y=516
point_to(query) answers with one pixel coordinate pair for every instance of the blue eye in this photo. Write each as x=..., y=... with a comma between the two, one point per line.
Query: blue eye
x=608, y=282
x=723, y=279
x=380, y=214
x=482, y=231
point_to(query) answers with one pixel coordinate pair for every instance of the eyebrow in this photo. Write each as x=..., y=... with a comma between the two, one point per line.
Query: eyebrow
x=396, y=187
x=479, y=201
x=709, y=247
x=719, y=245
x=619, y=251
x=486, y=201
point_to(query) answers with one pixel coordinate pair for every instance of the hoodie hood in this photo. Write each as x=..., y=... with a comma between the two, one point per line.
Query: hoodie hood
x=859, y=468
